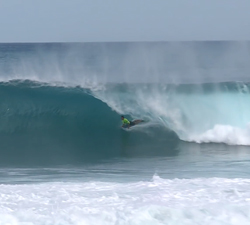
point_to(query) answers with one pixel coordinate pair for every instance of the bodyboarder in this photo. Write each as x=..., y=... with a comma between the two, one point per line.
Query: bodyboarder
x=127, y=124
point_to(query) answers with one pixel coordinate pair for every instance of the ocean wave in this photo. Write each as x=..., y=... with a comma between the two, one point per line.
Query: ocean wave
x=50, y=123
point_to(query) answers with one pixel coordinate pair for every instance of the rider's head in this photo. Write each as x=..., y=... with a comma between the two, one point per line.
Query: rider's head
x=122, y=117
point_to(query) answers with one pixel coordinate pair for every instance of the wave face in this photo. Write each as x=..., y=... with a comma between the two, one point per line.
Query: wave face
x=62, y=102
x=46, y=124
x=62, y=123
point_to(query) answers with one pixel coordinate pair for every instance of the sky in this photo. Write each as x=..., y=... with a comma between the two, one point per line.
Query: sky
x=123, y=20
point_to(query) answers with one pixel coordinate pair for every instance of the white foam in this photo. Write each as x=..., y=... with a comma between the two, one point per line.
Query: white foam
x=160, y=201
x=224, y=134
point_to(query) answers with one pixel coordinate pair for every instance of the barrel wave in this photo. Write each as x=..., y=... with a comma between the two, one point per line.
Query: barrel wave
x=47, y=124
x=43, y=124
x=61, y=102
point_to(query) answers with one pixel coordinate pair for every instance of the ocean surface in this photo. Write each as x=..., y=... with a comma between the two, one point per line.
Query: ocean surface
x=64, y=158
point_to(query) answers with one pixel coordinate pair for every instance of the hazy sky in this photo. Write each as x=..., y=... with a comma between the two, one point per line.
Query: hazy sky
x=123, y=20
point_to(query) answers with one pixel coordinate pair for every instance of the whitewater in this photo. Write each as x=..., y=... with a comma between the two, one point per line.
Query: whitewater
x=210, y=201
x=65, y=159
